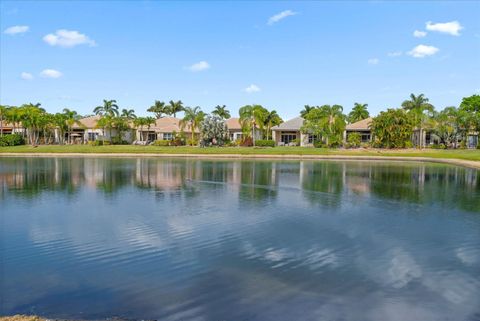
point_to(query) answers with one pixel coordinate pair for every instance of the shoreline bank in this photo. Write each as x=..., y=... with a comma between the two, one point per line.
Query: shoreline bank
x=450, y=161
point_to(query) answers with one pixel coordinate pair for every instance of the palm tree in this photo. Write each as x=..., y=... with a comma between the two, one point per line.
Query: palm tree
x=71, y=118
x=192, y=117
x=272, y=119
x=252, y=116
x=143, y=121
x=3, y=111
x=13, y=115
x=418, y=105
x=175, y=107
x=158, y=108
x=306, y=110
x=359, y=112
x=128, y=114
x=109, y=108
x=31, y=118
x=327, y=122
x=221, y=111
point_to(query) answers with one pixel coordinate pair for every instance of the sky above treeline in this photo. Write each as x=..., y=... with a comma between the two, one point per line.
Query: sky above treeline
x=282, y=55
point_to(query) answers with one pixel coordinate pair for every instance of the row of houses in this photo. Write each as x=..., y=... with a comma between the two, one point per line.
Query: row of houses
x=286, y=134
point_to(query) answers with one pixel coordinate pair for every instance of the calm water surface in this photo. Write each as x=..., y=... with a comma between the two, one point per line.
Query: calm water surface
x=179, y=239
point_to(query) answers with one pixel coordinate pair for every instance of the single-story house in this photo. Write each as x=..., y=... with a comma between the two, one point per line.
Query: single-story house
x=234, y=129
x=361, y=127
x=164, y=129
x=88, y=131
x=288, y=134
x=8, y=128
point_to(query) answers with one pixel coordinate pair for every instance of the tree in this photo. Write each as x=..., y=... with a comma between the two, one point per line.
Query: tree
x=272, y=119
x=471, y=105
x=129, y=114
x=393, y=128
x=31, y=119
x=251, y=117
x=359, y=112
x=106, y=122
x=175, y=107
x=3, y=112
x=193, y=117
x=158, y=108
x=419, y=107
x=13, y=115
x=445, y=126
x=213, y=131
x=71, y=118
x=143, y=121
x=306, y=110
x=109, y=108
x=327, y=123
x=221, y=111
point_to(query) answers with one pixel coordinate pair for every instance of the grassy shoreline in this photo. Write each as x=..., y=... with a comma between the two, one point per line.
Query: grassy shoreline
x=471, y=155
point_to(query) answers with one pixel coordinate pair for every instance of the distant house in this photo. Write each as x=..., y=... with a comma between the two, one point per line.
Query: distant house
x=8, y=128
x=362, y=128
x=234, y=129
x=288, y=134
x=164, y=128
x=88, y=131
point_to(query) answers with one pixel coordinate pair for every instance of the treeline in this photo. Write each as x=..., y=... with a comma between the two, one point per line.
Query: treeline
x=392, y=128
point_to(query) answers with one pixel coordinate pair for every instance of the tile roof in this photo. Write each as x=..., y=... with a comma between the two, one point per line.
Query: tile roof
x=360, y=125
x=293, y=124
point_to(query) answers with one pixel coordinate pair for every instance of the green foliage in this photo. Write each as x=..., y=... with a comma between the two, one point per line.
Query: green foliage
x=265, y=143
x=221, y=111
x=117, y=140
x=158, y=108
x=246, y=141
x=319, y=144
x=392, y=129
x=11, y=140
x=213, y=131
x=359, y=112
x=354, y=140
x=161, y=143
x=326, y=122
x=193, y=118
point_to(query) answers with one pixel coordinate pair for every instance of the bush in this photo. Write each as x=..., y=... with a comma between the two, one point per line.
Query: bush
x=11, y=140
x=118, y=141
x=161, y=143
x=319, y=144
x=246, y=142
x=408, y=144
x=439, y=146
x=354, y=140
x=192, y=142
x=265, y=143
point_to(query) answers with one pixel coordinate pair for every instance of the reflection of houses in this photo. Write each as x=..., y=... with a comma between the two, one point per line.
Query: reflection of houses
x=288, y=134
x=234, y=129
x=88, y=131
x=362, y=128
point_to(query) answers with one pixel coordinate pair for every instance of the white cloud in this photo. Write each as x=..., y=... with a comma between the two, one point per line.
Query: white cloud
x=252, y=89
x=16, y=29
x=421, y=51
x=68, y=38
x=394, y=54
x=26, y=76
x=51, y=73
x=280, y=16
x=199, y=66
x=419, y=34
x=453, y=27
x=373, y=61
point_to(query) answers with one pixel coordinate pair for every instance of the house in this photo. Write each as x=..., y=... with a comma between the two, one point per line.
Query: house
x=362, y=128
x=87, y=130
x=288, y=134
x=8, y=128
x=472, y=140
x=164, y=128
x=234, y=129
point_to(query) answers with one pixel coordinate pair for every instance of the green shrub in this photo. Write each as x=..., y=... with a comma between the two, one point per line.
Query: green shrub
x=11, y=140
x=408, y=144
x=161, y=143
x=366, y=145
x=354, y=140
x=118, y=141
x=439, y=146
x=319, y=144
x=265, y=143
x=192, y=142
x=246, y=142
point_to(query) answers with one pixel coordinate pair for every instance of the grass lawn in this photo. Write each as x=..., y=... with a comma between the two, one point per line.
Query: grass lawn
x=473, y=155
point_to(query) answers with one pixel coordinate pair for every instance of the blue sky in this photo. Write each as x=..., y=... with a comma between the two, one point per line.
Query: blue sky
x=282, y=55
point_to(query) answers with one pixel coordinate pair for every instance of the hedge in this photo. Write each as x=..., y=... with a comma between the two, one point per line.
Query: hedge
x=264, y=143
x=11, y=140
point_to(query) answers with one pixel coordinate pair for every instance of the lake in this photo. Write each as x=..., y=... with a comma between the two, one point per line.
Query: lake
x=197, y=239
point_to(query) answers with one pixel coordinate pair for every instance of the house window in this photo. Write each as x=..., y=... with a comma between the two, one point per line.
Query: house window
x=288, y=137
x=311, y=138
x=151, y=136
x=92, y=136
x=365, y=138
x=167, y=136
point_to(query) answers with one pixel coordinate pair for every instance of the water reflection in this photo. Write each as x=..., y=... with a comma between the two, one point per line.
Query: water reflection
x=183, y=239
x=324, y=183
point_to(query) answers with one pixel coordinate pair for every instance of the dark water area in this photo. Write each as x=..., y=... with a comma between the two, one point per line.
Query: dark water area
x=188, y=239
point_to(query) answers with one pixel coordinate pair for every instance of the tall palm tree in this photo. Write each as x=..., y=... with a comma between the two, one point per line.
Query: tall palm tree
x=31, y=118
x=193, y=117
x=252, y=116
x=109, y=108
x=359, y=112
x=158, y=108
x=221, y=111
x=419, y=105
x=175, y=107
x=13, y=115
x=3, y=111
x=128, y=114
x=272, y=119
x=71, y=118
x=306, y=110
